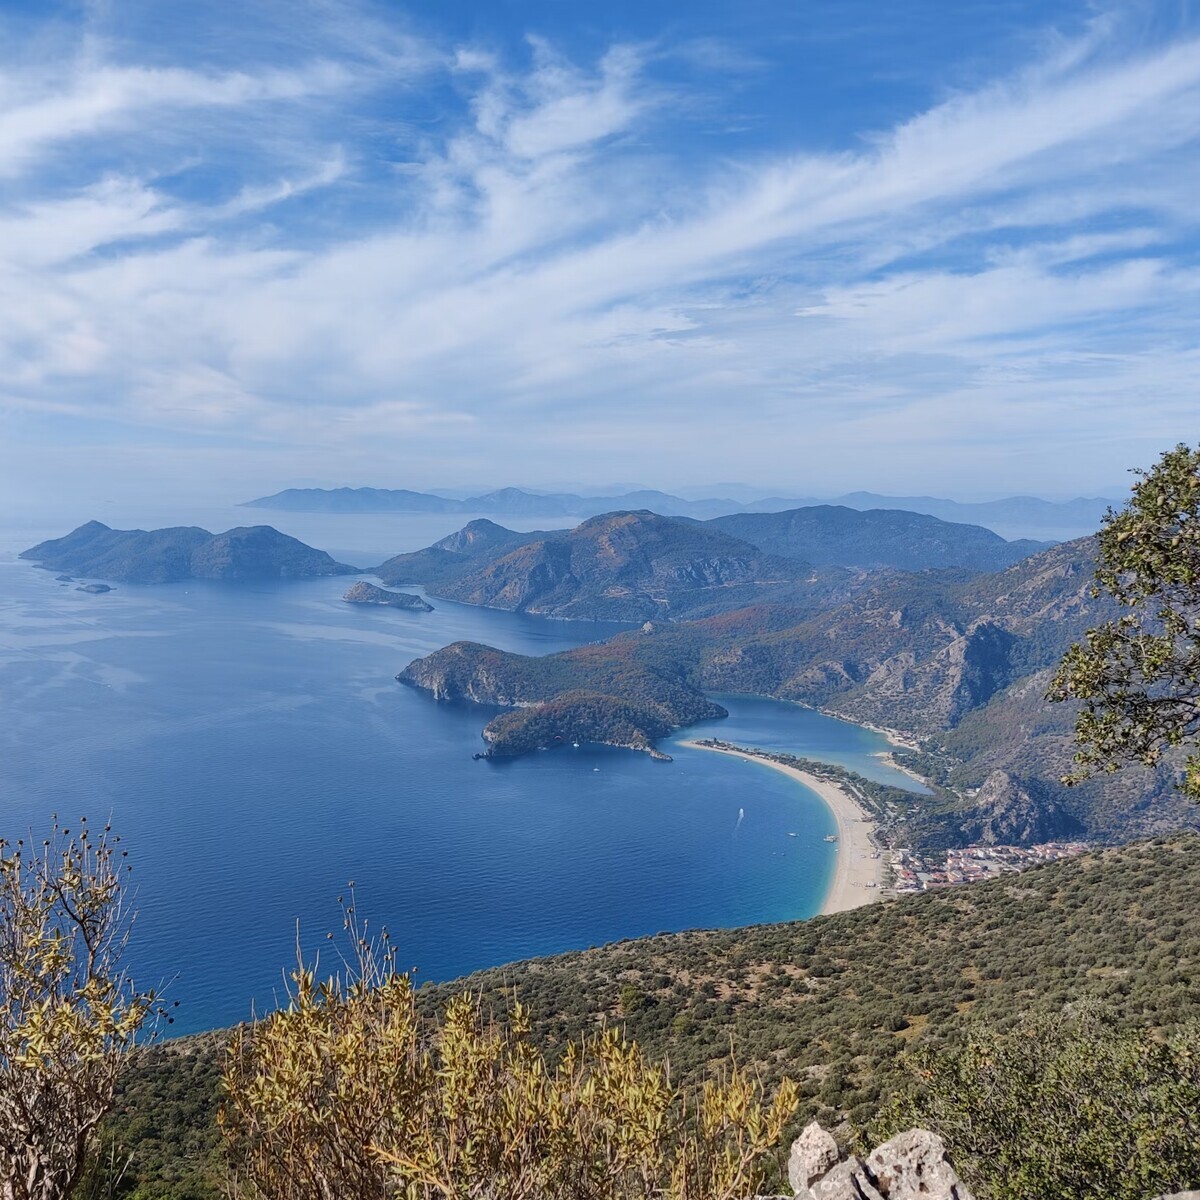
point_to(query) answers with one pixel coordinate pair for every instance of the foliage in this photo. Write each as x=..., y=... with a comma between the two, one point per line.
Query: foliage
x=1063, y=1105
x=1138, y=676
x=344, y=1094
x=834, y=1002
x=69, y=1015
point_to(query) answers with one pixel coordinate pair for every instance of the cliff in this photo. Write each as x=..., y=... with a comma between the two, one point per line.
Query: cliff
x=186, y=552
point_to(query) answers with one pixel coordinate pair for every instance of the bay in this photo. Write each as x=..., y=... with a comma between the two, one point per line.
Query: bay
x=253, y=748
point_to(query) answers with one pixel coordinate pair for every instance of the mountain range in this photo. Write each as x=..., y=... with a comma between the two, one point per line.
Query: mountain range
x=958, y=660
x=1015, y=517
x=640, y=565
x=183, y=552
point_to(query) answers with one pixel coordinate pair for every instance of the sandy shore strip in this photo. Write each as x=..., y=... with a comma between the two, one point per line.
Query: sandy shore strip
x=855, y=867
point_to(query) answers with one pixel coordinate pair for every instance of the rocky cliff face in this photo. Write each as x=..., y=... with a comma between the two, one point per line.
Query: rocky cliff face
x=1015, y=812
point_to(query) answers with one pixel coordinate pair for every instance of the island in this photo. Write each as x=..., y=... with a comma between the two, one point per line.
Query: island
x=96, y=589
x=255, y=552
x=368, y=593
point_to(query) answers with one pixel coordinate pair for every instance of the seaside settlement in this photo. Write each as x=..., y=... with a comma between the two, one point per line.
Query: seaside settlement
x=913, y=871
x=870, y=865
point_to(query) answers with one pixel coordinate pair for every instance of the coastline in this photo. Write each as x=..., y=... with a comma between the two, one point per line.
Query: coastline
x=855, y=868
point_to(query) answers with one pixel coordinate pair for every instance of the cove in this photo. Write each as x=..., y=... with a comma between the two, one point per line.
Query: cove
x=251, y=745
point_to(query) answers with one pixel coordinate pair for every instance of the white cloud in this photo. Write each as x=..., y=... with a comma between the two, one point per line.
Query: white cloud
x=547, y=273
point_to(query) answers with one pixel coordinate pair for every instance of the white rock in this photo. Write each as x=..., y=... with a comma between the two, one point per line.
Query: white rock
x=913, y=1166
x=814, y=1153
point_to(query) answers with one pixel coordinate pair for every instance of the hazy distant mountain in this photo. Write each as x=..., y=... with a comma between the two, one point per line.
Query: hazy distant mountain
x=909, y=541
x=186, y=552
x=1014, y=517
x=354, y=500
x=511, y=501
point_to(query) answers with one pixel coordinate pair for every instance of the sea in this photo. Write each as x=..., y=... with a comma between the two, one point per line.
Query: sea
x=251, y=746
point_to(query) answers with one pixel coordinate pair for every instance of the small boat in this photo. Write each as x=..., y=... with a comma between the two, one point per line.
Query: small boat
x=575, y=744
x=793, y=835
x=831, y=837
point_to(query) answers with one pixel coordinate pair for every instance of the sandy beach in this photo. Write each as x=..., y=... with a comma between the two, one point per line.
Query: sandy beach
x=855, y=866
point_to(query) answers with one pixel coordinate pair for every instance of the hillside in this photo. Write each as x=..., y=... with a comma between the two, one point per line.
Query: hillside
x=833, y=1002
x=455, y=555
x=169, y=555
x=959, y=661
x=630, y=566
x=828, y=534
x=1013, y=516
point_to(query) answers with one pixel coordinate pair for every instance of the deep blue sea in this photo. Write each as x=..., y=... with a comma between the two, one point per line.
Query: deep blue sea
x=254, y=749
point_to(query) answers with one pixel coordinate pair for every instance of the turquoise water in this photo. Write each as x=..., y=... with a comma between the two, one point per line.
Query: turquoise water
x=252, y=746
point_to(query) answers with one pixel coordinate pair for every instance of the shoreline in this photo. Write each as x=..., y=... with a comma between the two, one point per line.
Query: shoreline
x=854, y=868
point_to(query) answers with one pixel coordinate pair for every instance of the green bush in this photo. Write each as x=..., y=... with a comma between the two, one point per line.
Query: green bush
x=1068, y=1106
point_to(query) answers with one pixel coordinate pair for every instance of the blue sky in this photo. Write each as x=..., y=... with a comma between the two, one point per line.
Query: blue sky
x=906, y=246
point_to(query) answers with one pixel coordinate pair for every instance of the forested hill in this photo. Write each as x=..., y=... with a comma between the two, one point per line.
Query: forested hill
x=961, y=662
x=639, y=564
x=630, y=566
x=183, y=552
x=833, y=1002
x=834, y=535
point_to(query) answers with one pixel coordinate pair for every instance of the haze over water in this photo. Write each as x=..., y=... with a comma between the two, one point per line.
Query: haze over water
x=251, y=744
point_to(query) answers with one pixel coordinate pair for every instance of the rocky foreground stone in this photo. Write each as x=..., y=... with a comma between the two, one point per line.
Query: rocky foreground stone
x=911, y=1166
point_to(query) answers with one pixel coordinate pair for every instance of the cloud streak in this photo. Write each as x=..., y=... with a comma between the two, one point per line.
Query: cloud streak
x=539, y=272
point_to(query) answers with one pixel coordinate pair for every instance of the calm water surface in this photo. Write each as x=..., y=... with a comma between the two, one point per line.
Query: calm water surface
x=252, y=745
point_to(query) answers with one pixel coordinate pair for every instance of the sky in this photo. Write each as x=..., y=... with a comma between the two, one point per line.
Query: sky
x=905, y=246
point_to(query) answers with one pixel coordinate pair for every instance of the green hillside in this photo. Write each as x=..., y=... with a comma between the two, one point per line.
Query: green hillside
x=834, y=1002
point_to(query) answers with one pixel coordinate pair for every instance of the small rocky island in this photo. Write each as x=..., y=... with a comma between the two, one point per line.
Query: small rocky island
x=96, y=589
x=368, y=593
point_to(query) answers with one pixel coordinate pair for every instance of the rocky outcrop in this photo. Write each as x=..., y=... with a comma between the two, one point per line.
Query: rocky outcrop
x=1012, y=812
x=368, y=593
x=911, y=1166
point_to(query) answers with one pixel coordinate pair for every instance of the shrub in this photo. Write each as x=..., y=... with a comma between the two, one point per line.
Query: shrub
x=1063, y=1106
x=346, y=1094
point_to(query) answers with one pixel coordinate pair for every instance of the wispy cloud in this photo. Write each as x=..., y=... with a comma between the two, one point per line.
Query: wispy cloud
x=517, y=258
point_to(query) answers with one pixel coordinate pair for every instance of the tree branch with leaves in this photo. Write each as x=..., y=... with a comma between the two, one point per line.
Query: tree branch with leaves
x=1138, y=676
